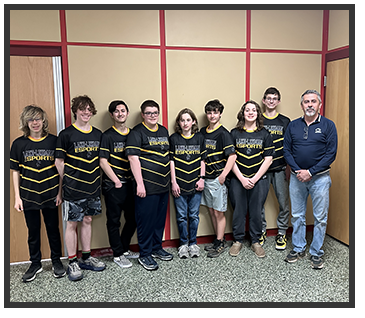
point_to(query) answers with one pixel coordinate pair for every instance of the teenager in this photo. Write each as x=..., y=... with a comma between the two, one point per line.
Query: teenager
x=77, y=161
x=36, y=187
x=187, y=154
x=117, y=184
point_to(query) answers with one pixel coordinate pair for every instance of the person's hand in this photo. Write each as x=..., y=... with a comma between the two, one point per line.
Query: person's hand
x=141, y=191
x=303, y=175
x=18, y=205
x=175, y=189
x=199, y=186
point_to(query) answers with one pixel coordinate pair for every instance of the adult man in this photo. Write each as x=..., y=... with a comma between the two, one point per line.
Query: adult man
x=148, y=152
x=117, y=184
x=77, y=162
x=310, y=147
x=276, y=124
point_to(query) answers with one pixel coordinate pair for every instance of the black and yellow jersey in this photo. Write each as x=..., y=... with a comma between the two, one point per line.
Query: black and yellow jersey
x=276, y=126
x=219, y=145
x=112, y=147
x=152, y=147
x=39, y=179
x=252, y=146
x=187, y=154
x=80, y=151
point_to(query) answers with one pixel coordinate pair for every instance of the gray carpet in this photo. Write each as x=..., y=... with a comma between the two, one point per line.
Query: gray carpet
x=245, y=278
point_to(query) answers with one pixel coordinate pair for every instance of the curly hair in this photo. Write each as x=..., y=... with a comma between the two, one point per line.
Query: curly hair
x=81, y=102
x=241, y=118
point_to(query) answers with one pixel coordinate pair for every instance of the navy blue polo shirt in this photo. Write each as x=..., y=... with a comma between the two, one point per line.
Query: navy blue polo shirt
x=312, y=147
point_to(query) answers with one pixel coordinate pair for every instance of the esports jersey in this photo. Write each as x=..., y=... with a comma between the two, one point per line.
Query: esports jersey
x=276, y=126
x=152, y=148
x=80, y=151
x=219, y=146
x=39, y=179
x=187, y=154
x=112, y=147
x=252, y=146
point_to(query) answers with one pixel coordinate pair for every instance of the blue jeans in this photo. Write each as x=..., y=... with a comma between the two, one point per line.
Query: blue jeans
x=318, y=187
x=187, y=206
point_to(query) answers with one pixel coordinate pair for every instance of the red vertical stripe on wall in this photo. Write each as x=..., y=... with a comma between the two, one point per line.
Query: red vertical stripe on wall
x=164, y=101
x=326, y=15
x=65, y=77
x=248, y=52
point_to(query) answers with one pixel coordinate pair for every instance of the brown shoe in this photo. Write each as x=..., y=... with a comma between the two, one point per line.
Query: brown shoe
x=235, y=249
x=257, y=248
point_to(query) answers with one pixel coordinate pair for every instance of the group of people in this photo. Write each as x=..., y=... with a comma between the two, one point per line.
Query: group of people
x=140, y=166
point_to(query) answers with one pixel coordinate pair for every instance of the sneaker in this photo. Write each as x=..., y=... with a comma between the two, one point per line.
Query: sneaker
x=262, y=238
x=257, y=248
x=130, y=254
x=194, y=250
x=280, y=242
x=74, y=272
x=183, y=251
x=162, y=255
x=31, y=273
x=219, y=249
x=148, y=263
x=235, y=248
x=210, y=247
x=122, y=261
x=294, y=256
x=316, y=262
x=58, y=269
x=92, y=264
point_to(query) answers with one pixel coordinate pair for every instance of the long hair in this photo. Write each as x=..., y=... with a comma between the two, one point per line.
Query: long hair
x=32, y=112
x=81, y=102
x=194, y=127
x=241, y=118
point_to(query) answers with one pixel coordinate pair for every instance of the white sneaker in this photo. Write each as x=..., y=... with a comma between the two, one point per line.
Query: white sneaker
x=130, y=254
x=122, y=261
x=183, y=251
x=194, y=250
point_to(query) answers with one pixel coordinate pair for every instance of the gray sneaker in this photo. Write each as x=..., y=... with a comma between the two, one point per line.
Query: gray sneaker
x=130, y=254
x=74, y=272
x=183, y=251
x=92, y=264
x=122, y=261
x=194, y=250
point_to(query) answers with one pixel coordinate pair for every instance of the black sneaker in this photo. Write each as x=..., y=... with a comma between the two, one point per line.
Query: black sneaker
x=280, y=242
x=148, y=263
x=262, y=238
x=220, y=247
x=58, y=269
x=210, y=247
x=162, y=255
x=294, y=256
x=31, y=273
x=316, y=262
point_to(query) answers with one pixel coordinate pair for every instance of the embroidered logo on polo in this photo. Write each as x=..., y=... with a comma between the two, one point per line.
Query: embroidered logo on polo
x=318, y=131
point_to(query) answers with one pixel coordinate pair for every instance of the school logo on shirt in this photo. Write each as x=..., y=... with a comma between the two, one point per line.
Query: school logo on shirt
x=88, y=146
x=210, y=144
x=274, y=129
x=249, y=143
x=318, y=131
x=158, y=141
x=188, y=150
x=119, y=146
x=38, y=155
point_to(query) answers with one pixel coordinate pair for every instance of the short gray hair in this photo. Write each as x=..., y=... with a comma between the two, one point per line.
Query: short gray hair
x=311, y=91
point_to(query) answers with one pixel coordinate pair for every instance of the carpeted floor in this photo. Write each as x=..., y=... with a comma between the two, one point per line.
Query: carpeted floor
x=245, y=278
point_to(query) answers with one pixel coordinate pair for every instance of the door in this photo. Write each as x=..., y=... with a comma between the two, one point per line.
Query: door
x=31, y=82
x=337, y=109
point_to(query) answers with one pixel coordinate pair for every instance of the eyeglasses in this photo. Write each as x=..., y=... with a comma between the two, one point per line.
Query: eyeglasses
x=149, y=114
x=272, y=99
x=305, y=136
x=34, y=119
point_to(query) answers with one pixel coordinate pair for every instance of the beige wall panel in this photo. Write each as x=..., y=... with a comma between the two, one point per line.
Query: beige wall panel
x=212, y=28
x=35, y=25
x=113, y=26
x=286, y=29
x=105, y=74
x=291, y=74
x=338, y=34
x=194, y=78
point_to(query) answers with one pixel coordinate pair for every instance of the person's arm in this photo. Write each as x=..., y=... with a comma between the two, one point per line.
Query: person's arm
x=200, y=183
x=228, y=167
x=16, y=182
x=137, y=173
x=174, y=186
x=109, y=172
x=262, y=170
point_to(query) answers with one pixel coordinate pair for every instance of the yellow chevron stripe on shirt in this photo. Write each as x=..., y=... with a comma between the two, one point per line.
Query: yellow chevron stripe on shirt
x=39, y=192
x=216, y=162
x=82, y=170
x=186, y=162
x=119, y=168
x=37, y=170
x=187, y=172
x=156, y=162
x=248, y=167
x=118, y=158
x=250, y=157
x=154, y=172
x=215, y=153
x=82, y=159
x=88, y=182
x=41, y=181
x=186, y=181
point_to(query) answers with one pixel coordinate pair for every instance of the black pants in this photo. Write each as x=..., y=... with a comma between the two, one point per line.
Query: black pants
x=33, y=221
x=244, y=200
x=116, y=201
